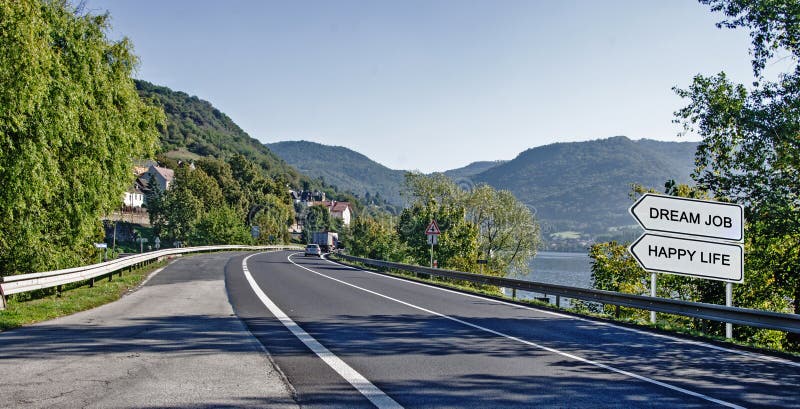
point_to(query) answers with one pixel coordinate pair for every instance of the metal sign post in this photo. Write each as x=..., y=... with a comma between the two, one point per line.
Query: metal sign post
x=433, y=233
x=482, y=262
x=433, y=239
x=697, y=238
x=728, y=303
x=652, y=294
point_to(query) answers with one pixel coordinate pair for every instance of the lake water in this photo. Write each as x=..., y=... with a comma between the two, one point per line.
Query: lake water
x=571, y=269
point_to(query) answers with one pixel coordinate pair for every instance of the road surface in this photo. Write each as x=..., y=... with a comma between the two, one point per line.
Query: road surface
x=174, y=343
x=389, y=342
x=315, y=334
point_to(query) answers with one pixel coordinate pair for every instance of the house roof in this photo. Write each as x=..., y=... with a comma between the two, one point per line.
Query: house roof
x=142, y=184
x=166, y=173
x=339, y=206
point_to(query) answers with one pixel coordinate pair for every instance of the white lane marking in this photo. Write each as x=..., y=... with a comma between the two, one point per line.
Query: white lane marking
x=370, y=391
x=533, y=344
x=608, y=324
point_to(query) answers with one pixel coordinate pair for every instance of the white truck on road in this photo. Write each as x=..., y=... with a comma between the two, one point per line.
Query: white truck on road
x=326, y=240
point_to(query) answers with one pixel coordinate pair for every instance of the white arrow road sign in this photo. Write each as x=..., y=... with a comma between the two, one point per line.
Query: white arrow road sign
x=691, y=257
x=702, y=218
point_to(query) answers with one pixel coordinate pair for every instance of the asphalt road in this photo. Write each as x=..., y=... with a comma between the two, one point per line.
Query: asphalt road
x=174, y=343
x=350, y=338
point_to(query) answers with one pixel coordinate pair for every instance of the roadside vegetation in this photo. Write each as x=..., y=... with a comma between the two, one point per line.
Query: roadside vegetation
x=482, y=223
x=749, y=154
x=70, y=122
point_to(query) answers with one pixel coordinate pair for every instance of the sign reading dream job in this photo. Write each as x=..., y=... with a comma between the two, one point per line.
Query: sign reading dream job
x=702, y=218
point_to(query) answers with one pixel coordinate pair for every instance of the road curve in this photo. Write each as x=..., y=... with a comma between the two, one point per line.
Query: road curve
x=337, y=332
x=174, y=343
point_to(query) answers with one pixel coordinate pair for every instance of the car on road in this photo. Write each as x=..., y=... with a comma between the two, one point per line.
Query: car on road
x=313, y=250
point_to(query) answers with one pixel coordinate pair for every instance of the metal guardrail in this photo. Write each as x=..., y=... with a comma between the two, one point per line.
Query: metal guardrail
x=736, y=315
x=34, y=281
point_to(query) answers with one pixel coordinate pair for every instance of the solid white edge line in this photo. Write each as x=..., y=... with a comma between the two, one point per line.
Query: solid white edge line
x=533, y=344
x=362, y=384
x=608, y=324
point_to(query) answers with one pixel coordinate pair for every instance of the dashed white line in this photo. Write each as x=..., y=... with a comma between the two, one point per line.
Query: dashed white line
x=362, y=384
x=533, y=344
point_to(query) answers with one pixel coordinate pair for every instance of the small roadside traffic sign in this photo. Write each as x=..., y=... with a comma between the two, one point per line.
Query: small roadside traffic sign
x=692, y=257
x=433, y=239
x=433, y=228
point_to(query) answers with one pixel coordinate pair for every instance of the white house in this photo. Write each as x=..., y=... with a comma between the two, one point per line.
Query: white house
x=163, y=176
x=340, y=210
x=133, y=197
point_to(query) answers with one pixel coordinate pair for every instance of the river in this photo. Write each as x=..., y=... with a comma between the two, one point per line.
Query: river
x=571, y=269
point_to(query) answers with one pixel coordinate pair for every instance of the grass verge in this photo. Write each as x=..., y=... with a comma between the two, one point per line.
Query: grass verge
x=37, y=306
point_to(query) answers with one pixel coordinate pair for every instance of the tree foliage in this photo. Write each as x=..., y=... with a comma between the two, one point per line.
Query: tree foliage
x=317, y=218
x=478, y=223
x=373, y=238
x=195, y=126
x=750, y=152
x=220, y=225
x=508, y=235
x=272, y=218
x=216, y=201
x=70, y=123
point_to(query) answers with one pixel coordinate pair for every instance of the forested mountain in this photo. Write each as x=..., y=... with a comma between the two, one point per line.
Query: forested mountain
x=578, y=186
x=584, y=186
x=343, y=168
x=195, y=128
x=472, y=169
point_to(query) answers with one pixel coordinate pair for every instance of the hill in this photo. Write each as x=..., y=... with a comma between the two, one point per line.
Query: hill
x=585, y=186
x=343, y=168
x=472, y=169
x=581, y=187
x=195, y=128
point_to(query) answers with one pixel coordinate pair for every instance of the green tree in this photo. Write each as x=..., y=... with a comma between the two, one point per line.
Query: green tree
x=201, y=186
x=220, y=225
x=614, y=269
x=750, y=152
x=372, y=239
x=420, y=188
x=70, y=123
x=274, y=218
x=436, y=197
x=508, y=233
x=317, y=218
x=155, y=204
x=182, y=210
x=223, y=175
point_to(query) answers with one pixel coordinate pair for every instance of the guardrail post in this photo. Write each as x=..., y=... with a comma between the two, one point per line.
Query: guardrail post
x=2, y=299
x=558, y=301
x=58, y=291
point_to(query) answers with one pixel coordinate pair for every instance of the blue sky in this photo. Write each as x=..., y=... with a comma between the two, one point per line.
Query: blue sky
x=433, y=85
